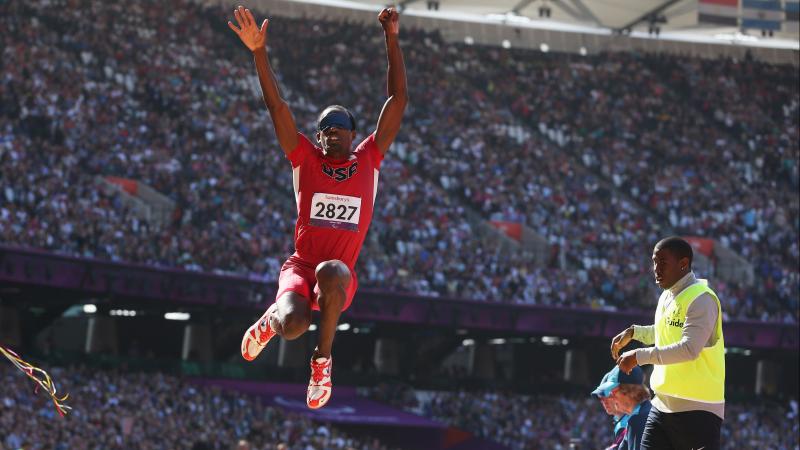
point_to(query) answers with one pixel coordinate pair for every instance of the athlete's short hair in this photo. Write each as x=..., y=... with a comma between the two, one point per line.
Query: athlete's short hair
x=678, y=247
x=336, y=108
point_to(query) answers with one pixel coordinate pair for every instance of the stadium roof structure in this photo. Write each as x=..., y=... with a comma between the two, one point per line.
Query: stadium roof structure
x=674, y=19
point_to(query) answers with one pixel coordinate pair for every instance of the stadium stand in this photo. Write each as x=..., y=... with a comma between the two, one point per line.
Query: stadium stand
x=560, y=146
x=114, y=409
x=122, y=410
x=135, y=133
x=548, y=421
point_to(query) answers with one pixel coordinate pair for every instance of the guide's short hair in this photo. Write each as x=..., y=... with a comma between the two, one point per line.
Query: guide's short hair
x=678, y=247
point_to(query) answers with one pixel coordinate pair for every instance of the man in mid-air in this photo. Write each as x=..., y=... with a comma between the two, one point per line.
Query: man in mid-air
x=334, y=189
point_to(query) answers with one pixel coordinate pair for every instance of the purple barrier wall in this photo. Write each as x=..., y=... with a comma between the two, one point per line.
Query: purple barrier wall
x=478, y=444
x=42, y=269
x=92, y=276
x=345, y=409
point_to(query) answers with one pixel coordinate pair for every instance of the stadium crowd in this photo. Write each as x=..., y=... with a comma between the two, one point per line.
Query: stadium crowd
x=118, y=410
x=620, y=116
x=549, y=421
x=570, y=147
x=115, y=409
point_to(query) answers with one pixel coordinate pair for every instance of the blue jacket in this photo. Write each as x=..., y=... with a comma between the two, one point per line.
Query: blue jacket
x=630, y=427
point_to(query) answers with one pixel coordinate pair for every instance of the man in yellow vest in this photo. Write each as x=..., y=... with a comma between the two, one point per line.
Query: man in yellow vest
x=688, y=357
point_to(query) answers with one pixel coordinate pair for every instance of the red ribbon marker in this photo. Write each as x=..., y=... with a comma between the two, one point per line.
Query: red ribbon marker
x=43, y=380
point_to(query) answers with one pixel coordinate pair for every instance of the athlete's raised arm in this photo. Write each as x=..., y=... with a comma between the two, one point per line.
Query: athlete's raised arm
x=256, y=40
x=392, y=113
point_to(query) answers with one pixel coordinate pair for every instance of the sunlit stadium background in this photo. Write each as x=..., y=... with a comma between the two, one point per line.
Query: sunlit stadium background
x=145, y=209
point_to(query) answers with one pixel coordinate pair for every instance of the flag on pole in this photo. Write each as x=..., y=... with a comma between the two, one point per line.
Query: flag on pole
x=791, y=24
x=718, y=12
x=762, y=14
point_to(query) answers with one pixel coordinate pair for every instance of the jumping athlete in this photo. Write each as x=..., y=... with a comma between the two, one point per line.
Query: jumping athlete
x=334, y=189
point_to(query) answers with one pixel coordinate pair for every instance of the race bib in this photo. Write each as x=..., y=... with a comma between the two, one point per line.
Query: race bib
x=335, y=211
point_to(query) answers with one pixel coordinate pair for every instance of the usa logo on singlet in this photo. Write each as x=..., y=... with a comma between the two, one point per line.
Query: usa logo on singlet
x=340, y=173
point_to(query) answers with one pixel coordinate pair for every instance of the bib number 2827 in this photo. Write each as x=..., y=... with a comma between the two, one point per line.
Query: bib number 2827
x=335, y=211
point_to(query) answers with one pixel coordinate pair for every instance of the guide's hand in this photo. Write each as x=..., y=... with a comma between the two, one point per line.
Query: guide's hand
x=627, y=361
x=620, y=341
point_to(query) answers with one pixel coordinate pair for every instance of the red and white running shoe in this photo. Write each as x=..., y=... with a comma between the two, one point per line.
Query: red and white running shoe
x=257, y=336
x=320, y=385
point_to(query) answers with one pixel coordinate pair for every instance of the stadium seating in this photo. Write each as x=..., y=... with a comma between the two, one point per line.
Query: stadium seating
x=115, y=409
x=550, y=421
x=600, y=155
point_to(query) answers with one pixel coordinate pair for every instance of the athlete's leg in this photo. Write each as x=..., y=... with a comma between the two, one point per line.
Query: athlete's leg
x=333, y=278
x=288, y=317
x=291, y=316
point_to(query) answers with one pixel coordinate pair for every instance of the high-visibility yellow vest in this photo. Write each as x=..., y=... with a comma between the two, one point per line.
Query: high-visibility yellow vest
x=702, y=379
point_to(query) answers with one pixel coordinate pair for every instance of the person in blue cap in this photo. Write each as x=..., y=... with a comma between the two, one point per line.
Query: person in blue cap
x=625, y=397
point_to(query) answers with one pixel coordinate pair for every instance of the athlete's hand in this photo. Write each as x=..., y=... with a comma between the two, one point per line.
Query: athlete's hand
x=627, y=361
x=390, y=21
x=620, y=341
x=253, y=37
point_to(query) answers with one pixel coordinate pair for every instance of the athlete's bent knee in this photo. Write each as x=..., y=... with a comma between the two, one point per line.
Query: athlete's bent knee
x=332, y=274
x=294, y=324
